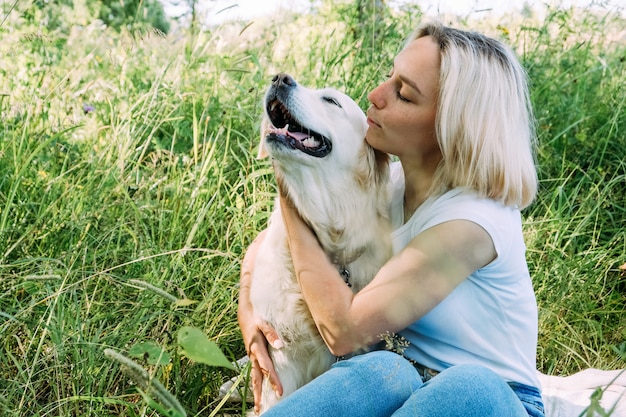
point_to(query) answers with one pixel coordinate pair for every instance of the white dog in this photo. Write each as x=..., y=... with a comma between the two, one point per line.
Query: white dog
x=338, y=184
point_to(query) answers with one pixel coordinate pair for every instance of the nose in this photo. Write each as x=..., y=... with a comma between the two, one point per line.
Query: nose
x=283, y=79
x=376, y=96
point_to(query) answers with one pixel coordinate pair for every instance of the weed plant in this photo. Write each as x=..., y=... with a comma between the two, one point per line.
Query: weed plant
x=130, y=158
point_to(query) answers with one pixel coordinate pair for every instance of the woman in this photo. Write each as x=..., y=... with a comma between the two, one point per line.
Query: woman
x=455, y=111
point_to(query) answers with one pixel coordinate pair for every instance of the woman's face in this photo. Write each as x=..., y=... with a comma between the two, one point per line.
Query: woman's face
x=402, y=115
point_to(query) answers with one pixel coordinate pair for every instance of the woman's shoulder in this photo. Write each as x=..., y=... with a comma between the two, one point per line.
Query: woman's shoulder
x=503, y=224
x=463, y=199
x=464, y=204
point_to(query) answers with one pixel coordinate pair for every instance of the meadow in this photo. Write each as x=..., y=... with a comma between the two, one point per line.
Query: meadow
x=130, y=189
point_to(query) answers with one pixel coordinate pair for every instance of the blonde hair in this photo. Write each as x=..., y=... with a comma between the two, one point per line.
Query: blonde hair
x=485, y=126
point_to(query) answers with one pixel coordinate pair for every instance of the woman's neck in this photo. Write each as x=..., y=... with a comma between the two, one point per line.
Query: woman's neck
x=418, y=182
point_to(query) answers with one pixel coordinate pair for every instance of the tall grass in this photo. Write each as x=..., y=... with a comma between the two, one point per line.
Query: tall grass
x=577, y=238
x=131, y=158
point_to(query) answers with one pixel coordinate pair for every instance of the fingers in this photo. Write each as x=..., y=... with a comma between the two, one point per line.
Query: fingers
x=262, y=365
x=274, y=381
x=263, y=368
x=270, y=335
x=257, y=384
x=265, y=361
x=268, y=371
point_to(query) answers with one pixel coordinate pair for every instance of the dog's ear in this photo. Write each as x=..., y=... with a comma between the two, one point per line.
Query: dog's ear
x=265, y=123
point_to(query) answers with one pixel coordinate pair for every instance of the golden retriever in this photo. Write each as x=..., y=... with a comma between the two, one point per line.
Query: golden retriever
x=337, y=182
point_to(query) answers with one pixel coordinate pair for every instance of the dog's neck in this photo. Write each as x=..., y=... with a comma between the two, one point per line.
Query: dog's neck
x=341, y=260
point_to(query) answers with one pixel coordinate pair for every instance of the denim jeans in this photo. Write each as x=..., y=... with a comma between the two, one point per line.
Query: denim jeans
x=382, y=383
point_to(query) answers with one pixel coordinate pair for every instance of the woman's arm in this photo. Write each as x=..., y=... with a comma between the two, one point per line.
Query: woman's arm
x=256, y=335
x=407, y=287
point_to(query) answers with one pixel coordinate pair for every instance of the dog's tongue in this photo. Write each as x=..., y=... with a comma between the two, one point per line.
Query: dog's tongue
x=300, y=136
x=306, y=140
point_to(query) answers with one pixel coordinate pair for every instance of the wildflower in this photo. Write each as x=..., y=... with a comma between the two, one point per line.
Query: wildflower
x=88, y=108
x=503, y=30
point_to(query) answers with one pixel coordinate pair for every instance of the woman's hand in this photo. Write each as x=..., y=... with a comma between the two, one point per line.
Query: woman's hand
x=262, y=366
x=256, y=334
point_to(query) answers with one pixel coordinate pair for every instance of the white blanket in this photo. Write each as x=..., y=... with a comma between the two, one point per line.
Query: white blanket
x=590, y=393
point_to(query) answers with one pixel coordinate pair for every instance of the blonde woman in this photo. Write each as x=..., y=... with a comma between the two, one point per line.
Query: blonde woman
x=457, y=292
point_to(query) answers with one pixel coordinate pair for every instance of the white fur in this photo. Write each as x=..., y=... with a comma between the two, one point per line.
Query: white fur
x=342, y=196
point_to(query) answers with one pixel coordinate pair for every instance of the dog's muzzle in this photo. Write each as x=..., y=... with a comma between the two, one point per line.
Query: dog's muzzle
x=286, y=130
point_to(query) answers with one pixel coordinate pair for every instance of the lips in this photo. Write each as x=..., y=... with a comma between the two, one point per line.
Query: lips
x=287, y=131
x=371, y=121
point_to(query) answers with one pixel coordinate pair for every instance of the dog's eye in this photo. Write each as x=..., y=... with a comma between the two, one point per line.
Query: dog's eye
x=331, y=101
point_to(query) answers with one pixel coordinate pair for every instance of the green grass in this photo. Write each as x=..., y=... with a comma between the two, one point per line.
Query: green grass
x=159, y=184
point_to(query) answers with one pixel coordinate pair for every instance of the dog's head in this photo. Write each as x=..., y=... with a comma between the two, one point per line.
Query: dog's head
x=321, y=160
x=305, y=124
x=316, y=139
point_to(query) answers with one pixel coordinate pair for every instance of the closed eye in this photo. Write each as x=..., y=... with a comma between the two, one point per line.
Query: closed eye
x=402, y=98
x=398, y=94
x=332, y=101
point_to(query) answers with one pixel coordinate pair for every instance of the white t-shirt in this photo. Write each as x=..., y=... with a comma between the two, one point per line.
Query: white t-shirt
x=490, y=319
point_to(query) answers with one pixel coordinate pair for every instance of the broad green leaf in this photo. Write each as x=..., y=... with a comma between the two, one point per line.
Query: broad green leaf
x=197, y=347
x=153, y=353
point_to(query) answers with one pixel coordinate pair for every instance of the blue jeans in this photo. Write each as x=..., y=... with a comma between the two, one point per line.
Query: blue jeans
x=383, y=383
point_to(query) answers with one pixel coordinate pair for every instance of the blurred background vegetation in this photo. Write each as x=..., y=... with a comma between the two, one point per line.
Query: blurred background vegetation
x=129, y=187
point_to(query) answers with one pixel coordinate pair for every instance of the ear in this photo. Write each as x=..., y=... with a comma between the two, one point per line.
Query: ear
x=262, y=154
x=262, y=147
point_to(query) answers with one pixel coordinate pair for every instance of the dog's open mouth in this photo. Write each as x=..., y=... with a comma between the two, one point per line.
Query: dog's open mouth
x=286, y=130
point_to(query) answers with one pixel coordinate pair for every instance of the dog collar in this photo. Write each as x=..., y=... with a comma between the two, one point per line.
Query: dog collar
x=342, y=261
x=345, y=274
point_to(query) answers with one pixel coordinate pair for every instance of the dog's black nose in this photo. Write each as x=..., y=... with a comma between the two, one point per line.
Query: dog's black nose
x=282, y=78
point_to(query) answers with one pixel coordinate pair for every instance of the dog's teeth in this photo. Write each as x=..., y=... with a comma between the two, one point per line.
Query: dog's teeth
x=310, y=142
